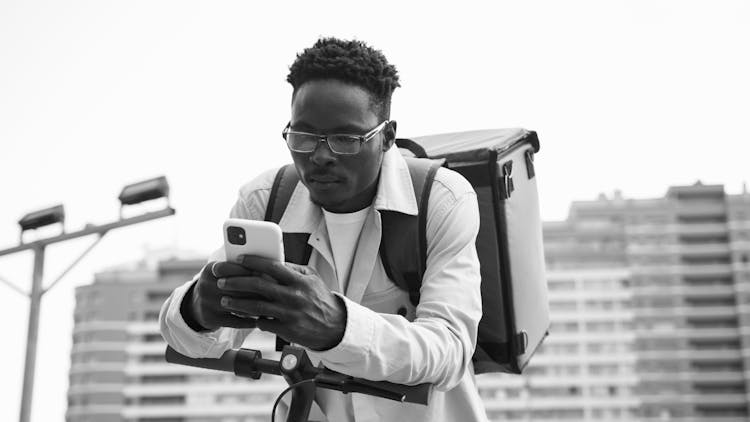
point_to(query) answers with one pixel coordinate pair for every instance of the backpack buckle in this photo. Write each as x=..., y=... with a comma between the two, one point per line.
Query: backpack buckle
x=522, y=340
x=506, y=181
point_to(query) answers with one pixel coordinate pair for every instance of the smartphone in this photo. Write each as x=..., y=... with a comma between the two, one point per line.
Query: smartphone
x=252, y=237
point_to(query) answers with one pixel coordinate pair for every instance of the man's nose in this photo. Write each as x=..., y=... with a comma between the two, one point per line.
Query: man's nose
x=322, y=154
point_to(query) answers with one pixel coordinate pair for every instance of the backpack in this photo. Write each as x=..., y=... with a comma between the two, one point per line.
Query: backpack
x=515, y=316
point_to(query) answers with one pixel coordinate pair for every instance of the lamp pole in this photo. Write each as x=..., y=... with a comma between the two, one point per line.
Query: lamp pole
x=33, y=333
x=37, y=289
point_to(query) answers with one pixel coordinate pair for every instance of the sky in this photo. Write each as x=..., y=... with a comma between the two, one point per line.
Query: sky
x=94, y=95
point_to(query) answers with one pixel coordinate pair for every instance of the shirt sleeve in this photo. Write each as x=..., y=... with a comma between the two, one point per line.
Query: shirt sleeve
x=438, y=345
x=251, y=204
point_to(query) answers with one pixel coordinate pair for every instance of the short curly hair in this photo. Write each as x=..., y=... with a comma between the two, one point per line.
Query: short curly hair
x=349, y=61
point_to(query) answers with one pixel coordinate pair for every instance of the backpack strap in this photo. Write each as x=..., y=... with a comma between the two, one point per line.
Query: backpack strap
x=403, y=245
x=296, y=248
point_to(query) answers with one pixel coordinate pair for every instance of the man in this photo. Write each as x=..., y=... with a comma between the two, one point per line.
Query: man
x=343, y=307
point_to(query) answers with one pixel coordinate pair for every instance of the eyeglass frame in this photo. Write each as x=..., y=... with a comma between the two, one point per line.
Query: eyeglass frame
x=324, y=138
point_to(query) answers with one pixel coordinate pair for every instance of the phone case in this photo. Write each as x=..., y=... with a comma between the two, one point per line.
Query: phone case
x=261, y=238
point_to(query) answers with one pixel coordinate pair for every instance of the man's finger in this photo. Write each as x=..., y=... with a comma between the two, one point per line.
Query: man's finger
x=221, y=269
x=253, y=285
x=234, y=321
x=302, y=269
x=222, y=317
x=277, y=270
x=253, y=307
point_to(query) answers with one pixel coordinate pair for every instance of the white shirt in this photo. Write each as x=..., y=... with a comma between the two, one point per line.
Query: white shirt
x=434, y=343
x=343, y=231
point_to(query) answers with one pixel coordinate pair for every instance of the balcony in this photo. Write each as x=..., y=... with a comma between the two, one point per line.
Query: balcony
x=699, y=399
x=100, y=346
x=142, y=328
x=561, y=403
x=637, y=229
x=696, y=228
x=78, y=368
x=718, y=270
x=135, y=412
x=87, y=326
x=88, y=410
x=717, y=377
x=691, y=333
x=690, y=354
x=93, y=388
x=705, y=249
x=240, y=386
x=701, y=228
x=580, y=358
x=717, y=289
x=694, y=312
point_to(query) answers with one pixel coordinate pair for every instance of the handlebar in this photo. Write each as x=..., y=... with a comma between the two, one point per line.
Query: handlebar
x=295, y=366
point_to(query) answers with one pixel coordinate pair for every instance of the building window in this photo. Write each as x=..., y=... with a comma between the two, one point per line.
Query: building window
x=152, y=338
x=563, y=306
x=163, y=379
x=600, y=326
x=562, y=285
x=161, y=400
x=603, y=369
x=151, y=316
x=157, y=296
x=152, y=358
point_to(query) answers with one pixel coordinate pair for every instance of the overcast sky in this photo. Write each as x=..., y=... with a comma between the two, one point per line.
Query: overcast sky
x=630, y=95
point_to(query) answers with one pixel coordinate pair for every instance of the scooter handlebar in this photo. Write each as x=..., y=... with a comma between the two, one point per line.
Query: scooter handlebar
x=249, y=363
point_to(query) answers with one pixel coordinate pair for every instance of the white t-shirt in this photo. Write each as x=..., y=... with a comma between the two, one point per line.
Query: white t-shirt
x=343, y=232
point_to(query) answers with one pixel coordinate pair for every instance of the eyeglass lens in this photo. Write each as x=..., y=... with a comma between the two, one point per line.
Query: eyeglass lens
x=339, y=144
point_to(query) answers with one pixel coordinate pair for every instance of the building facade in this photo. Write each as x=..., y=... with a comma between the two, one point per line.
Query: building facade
x=649, y=302
x=650, y=311
x=118, y=372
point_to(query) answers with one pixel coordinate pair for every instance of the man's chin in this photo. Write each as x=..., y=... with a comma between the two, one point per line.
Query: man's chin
x=328, y=202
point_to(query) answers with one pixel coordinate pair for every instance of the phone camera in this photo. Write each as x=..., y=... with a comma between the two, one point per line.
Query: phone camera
x=236, y=235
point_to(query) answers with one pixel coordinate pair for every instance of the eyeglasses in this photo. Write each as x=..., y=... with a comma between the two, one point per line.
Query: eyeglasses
x=340, y=143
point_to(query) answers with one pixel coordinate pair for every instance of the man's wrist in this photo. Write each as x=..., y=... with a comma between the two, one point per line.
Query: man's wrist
x=340, y=327
x=187, y=313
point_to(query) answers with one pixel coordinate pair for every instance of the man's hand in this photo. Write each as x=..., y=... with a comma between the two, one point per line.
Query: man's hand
x=291, y=300
x=204, y=304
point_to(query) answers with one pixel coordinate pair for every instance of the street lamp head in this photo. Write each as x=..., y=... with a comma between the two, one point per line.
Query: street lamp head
x=41, y=218
x=145, y=191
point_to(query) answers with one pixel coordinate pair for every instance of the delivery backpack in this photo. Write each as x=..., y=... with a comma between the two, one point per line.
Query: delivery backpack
x=500, y=166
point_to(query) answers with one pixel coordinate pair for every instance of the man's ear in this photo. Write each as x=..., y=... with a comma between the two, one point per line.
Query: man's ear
x=390, y=135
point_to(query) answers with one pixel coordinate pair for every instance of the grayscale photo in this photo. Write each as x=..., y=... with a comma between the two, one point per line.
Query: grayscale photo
x=365, y=212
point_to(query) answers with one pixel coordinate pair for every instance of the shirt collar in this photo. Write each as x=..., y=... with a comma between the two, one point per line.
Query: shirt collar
x=395, y=193
x=395, y=190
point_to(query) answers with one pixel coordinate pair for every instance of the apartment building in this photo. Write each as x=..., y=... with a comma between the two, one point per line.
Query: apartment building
x=585, y=369
x=676, y=303
x=118, y=372
x=650, y=306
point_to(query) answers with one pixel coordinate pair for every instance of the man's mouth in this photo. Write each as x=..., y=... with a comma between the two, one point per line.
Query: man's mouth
x=324, y=179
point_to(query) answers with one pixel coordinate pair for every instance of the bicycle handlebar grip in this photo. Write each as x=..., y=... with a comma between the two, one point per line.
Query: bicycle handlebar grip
x=419, y=393
x=224, y=363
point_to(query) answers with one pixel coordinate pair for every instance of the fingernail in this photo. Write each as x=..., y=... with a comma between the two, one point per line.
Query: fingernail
x=221, y=282
x=224, y=301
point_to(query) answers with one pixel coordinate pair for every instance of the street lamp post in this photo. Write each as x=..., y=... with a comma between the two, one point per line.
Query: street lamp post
x=131, y=194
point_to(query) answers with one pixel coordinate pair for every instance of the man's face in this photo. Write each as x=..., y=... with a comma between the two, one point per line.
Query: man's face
x=339, y=183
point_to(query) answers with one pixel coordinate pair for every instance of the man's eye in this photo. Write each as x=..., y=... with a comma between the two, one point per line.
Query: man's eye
x=345, y=138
